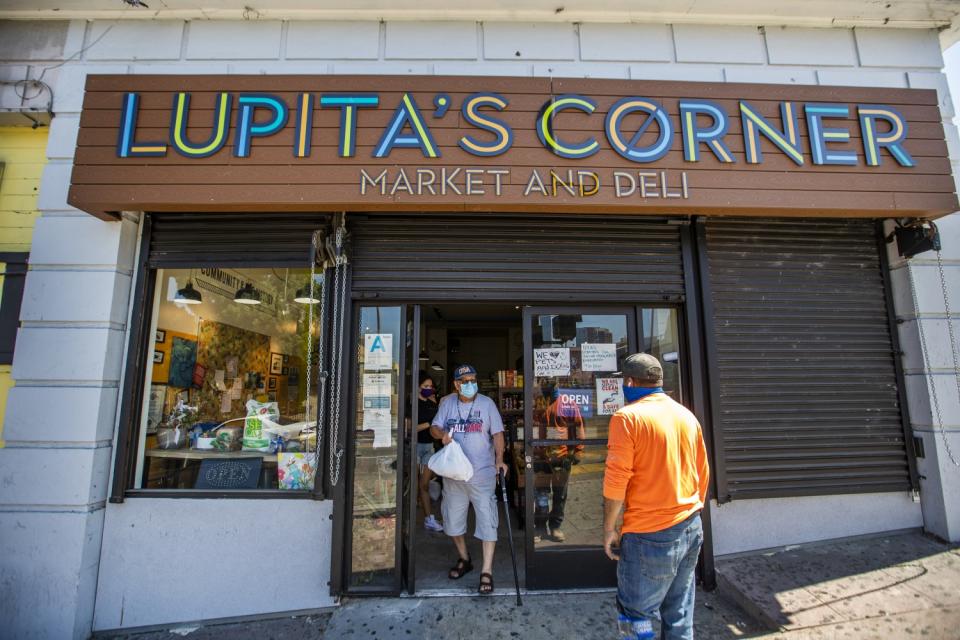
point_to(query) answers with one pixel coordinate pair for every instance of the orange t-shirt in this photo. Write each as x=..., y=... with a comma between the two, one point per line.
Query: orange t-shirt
x=561, y=423
x=656, y=463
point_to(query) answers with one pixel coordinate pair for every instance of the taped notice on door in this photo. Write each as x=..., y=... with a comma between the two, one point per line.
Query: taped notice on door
x=598, y=357
x=609, y=396
x=376, y=391
x=378, y=351
x=551, y=362
x=378, y=421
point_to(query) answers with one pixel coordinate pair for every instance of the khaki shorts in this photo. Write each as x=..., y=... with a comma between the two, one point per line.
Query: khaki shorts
x=457, y=498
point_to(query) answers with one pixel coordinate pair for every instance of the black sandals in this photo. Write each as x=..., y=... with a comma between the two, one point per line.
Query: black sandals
x=486, y=584
x=462, y=568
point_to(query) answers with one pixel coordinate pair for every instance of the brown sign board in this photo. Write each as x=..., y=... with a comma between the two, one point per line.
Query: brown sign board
x=408, y=143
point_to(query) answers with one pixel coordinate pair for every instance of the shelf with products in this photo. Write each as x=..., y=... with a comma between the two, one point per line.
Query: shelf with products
x=510, y=400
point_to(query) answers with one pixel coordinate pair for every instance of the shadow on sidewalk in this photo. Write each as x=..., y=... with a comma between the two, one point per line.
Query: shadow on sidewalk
x=823, y=584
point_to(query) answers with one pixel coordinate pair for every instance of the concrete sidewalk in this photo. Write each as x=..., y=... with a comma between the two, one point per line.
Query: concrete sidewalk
x=542, y=617
x=885, y=587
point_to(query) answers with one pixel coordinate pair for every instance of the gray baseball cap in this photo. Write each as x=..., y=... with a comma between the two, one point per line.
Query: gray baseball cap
x=643, y=367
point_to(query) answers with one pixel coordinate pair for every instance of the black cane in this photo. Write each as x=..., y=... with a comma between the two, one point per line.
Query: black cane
x=513, y=552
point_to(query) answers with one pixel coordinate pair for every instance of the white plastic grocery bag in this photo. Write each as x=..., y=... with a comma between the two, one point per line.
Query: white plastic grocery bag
x=450, y=462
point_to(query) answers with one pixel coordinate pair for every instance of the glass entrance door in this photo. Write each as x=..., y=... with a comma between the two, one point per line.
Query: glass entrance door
x=375, y=546
x=572, y=361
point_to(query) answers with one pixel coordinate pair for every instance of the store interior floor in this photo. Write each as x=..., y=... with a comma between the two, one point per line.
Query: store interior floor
x=489, y=337
x=436, y=555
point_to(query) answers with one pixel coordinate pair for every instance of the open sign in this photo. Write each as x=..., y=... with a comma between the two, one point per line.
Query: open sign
x=574, y=401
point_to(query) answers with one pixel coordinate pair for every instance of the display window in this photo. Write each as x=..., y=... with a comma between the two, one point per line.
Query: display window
x=229, y=402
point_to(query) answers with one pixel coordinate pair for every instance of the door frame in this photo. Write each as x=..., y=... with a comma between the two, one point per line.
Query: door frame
x=348, y=431
x=409, y=569
x=593, y=568
x=691, y=327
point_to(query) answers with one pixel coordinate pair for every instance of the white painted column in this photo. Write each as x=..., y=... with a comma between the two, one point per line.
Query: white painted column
x=55, y=468
x=938, y=428
x=936, y=421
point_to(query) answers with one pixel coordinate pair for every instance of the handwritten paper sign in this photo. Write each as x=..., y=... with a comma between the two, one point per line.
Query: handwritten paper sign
x=598, y=357
x=551, y=362
x=609, y=396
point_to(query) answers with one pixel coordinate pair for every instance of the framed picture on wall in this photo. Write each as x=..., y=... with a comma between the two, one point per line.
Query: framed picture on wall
x=160, y=336
x=286, y=371
x=276, y=363
x=271, y=384
x=158, y=397
x=158, y=357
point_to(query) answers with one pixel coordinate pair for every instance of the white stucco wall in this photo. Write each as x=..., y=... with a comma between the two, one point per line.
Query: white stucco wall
x=62, y=413
x=745, y=525
x=173, y=560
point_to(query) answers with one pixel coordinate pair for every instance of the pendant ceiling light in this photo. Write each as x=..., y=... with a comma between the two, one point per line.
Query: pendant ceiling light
x=188, y=295
x=436, y=366
x=305, y=297
x=423, y=356
x=246, y=295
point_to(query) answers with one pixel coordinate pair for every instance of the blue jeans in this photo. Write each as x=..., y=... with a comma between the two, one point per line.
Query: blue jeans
x=655, y=577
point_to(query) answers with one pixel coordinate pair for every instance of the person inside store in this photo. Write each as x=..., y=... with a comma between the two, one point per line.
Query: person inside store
x=560, y=420
x=657, y=475
x=474, y=422
x=427, y=406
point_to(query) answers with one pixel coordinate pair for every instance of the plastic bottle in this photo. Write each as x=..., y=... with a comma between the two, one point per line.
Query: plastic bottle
x=635, y=629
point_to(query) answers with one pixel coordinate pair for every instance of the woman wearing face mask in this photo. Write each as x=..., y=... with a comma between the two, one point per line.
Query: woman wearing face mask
x=426, y=411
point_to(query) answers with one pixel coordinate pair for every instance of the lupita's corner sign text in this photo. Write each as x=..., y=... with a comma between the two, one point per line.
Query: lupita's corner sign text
x=640, y=130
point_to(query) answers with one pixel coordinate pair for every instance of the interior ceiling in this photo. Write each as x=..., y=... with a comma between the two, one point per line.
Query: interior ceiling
x=470, y=313
x=893, y=13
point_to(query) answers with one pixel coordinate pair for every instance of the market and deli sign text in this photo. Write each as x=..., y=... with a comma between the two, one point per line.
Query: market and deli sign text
x=704, y=125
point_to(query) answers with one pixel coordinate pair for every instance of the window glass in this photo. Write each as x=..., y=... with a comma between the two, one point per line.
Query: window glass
x=660, y=339
x=374, y=509
x=226, y=400
x=577, y=361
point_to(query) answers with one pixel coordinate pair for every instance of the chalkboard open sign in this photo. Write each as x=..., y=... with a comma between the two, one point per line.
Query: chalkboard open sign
x=233, y=473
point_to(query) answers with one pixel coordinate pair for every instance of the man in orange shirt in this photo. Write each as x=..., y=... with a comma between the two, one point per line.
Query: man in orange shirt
x=657, y=475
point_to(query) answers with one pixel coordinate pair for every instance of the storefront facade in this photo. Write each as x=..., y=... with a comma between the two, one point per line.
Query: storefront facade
x=719, y=196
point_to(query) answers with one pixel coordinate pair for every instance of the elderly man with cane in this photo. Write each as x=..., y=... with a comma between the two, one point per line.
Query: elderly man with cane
x=657, y=475
x=474, y=422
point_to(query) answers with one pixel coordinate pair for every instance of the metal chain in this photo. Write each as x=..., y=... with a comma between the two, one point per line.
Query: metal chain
x=313, y=261
x=926, y=354
x=953, y=338
x=321, y=374
x=339, y=300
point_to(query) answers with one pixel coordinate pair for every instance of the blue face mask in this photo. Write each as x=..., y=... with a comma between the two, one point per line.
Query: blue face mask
x=426, y=392
x=632, y=394
x=468, y=389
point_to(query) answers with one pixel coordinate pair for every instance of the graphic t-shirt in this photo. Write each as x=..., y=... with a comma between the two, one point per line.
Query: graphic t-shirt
x=473, y=425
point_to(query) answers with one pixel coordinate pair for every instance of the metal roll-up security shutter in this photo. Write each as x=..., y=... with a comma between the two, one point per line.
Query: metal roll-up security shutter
x=515, y=258
x=195, y=239
x=804, y=362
